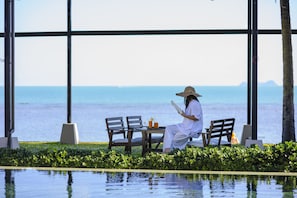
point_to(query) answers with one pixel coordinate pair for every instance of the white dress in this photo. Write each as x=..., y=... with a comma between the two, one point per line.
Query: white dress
x=177, y=135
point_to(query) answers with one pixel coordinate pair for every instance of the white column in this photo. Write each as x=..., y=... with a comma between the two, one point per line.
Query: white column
x=69, y=134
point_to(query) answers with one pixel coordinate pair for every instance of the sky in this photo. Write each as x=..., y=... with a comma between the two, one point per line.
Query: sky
x=144, y=60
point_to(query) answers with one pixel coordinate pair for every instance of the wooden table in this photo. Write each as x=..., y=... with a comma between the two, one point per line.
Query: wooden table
x=148, y=139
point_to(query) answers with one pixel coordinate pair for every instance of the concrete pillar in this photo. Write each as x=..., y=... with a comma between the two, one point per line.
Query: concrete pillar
x=69, y=134
x=246, y=133
x=14, y=142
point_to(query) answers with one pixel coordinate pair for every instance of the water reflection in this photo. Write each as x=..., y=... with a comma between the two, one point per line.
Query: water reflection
x=111, y=184
x=288, y=184
x=251, y=186
x=182, y=184
x=69, y=184
x=9, y=184
x=190, y=186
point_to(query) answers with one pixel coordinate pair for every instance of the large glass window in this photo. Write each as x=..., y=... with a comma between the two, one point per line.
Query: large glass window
x=138, y=60
x=40, y=16
x=156, y=14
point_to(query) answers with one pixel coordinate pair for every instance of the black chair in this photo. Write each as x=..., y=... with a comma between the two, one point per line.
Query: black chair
x=119, y=135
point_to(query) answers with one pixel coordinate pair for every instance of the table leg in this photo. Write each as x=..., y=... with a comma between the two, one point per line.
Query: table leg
x=144, y=142
x=150, y=141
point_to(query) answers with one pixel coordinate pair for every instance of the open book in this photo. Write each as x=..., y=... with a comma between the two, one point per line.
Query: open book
x=178, y=109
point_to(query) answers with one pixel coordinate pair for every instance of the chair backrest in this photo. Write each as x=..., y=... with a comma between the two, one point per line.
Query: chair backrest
x=134, y=122
x=114, y=124
x=221, y=128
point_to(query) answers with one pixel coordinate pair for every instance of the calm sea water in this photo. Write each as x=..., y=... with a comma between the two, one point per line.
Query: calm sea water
x=41, y=111
x=46, y=183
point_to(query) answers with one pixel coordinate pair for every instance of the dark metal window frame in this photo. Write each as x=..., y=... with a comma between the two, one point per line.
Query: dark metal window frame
x=252, y=32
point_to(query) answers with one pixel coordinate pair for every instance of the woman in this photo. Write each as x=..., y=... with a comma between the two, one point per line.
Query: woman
x=177, y=135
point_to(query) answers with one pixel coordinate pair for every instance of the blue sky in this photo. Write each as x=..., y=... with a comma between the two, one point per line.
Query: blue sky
x=144, y=60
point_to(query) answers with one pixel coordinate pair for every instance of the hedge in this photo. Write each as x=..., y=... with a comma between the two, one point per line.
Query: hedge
x=279, y=157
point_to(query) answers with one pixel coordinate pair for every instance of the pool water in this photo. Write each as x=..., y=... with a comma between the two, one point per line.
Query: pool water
x=75, y=183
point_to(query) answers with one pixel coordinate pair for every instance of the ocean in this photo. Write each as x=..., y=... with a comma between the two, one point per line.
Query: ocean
x=40, y=111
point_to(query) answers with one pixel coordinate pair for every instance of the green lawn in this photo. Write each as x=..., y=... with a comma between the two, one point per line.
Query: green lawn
x=136, y=150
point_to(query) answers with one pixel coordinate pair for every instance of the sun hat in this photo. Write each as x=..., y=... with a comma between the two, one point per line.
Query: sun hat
x=188, y=91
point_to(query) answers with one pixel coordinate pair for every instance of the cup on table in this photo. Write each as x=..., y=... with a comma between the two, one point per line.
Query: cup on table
x=150, y=124
x=156, y=125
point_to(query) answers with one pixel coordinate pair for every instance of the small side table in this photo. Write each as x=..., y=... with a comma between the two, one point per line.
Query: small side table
x=148, y=140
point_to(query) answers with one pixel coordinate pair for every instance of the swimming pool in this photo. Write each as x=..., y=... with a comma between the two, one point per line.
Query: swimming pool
x=26, y=182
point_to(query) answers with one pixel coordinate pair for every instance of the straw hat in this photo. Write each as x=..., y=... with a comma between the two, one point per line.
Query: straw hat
x=188, y=91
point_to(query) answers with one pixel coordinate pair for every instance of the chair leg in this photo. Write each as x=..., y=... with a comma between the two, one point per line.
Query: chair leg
x=159, y=142
x=128, y=149
x=204, y=140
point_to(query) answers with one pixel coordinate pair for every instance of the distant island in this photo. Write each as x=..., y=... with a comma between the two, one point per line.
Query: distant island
x=269, y=83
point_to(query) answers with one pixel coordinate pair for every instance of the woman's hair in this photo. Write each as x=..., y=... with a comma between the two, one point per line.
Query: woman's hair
x=189, y=98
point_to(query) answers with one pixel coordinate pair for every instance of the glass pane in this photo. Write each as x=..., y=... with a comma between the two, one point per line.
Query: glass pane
x=45, y=15
x=2, y=85
x=2, y=16
x=270, y=68
x=40, y=95
x=159, y=60
x=270, y=17
x=270, y=60
x=156, y=14
x=293, y=13
x=1, y=61
x=41, y=61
